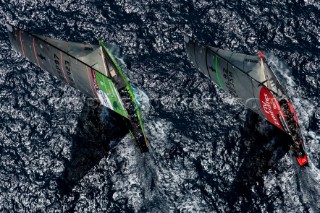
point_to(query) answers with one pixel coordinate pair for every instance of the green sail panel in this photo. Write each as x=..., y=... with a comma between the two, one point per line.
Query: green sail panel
x=113, y=65
x=108, y=94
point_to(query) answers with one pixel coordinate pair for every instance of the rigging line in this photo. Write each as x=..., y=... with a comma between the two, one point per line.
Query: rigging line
x=262, y=83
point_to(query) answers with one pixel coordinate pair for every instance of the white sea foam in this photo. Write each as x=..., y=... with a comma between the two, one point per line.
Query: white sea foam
x=116, y=53
x=143, y=101
x=304, y=107
x=309, y=177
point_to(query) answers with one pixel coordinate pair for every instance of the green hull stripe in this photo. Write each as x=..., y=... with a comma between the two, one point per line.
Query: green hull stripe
x=217, y=74
x=128, y=87
x=108, y=88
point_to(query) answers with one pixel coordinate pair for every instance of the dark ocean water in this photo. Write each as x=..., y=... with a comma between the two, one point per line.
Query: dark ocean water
x=59, y=152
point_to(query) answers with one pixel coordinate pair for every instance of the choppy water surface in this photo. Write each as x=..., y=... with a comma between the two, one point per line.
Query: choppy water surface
x=60, y=152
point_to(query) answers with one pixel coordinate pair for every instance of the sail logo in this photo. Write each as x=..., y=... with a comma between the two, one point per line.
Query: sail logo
x=269, y=107
x=104, y=99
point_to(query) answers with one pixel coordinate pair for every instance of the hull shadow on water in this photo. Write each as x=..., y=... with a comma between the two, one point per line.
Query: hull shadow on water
x=97, y=127
x=260, y=152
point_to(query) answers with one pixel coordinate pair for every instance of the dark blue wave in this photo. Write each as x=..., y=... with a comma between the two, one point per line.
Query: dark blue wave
x=59, y=152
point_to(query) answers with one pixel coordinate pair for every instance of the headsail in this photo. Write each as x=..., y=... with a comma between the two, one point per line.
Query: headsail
x=81, y=66
x=246, y=77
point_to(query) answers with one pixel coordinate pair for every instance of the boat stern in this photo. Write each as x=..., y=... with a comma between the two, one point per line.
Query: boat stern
x=303, y=161
x=143, y=143
x=300, y=155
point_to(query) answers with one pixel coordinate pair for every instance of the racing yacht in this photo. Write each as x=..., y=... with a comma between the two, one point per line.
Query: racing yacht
x=89, y=68
x=250, y=79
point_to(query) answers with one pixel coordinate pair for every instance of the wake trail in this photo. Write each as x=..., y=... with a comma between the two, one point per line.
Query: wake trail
x=304, y=107
x=149, y=165
x=308, y=178
x=309, y=184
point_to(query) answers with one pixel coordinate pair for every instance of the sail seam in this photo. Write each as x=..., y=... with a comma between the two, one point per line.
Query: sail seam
x=217, y=73
x=22, y=48
x=35, y=52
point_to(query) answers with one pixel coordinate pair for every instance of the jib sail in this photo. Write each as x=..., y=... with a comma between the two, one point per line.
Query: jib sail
x=80, y=65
